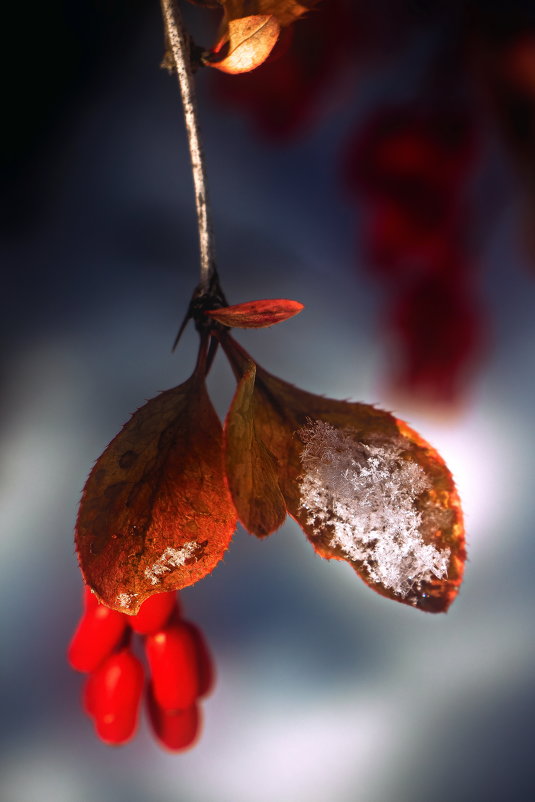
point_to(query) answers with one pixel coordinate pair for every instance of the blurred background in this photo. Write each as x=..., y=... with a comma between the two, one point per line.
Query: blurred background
x=380, y=168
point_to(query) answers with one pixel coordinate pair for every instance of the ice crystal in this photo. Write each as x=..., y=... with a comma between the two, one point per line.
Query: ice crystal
x=363, y=494
x=171, y=558
x=126, y=599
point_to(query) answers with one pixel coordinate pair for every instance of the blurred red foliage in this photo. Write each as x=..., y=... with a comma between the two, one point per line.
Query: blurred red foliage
x=408, y=172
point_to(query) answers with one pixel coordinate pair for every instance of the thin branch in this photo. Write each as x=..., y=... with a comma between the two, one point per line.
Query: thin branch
x=178, y=43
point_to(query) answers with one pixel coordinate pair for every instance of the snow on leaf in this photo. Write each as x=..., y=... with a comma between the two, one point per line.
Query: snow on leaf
x=282, y=419
x=126, y=600
x=366, y=492
x=171, y=558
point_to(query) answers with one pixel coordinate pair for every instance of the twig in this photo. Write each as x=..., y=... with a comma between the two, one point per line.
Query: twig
x=178, y=43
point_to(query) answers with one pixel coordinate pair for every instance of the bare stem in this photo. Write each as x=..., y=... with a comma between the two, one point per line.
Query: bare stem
x=179, y=45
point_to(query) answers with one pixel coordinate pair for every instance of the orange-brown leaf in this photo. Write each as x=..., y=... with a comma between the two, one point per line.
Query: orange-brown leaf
x=249, y=30
x=256, y=314
x=285, y=11
x=251, y=468
x=156, y=514
x=245, y=44
x=323, y=448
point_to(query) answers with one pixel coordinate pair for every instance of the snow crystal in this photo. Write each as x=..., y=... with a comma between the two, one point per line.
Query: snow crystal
x=171, y=558
x=364, y=493
x=126, y=599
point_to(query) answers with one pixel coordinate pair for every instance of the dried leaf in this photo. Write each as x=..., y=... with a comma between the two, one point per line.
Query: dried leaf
x=364, y=488
x=256, y=314
x=156, y=514
x=249, y=31
x=285, y=11
x=245, y=44
x=251, y=468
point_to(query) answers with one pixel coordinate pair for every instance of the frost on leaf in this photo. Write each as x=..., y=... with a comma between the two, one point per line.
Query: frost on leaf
x=171, y=558
x=156, y=513
x=366, y=494
x=410, y=469
x=126, y=600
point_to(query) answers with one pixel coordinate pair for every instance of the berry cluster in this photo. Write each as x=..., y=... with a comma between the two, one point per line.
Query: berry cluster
x=179, y=665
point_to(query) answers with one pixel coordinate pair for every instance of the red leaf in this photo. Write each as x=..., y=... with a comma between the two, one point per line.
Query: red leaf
x=256, y=314
x=156, y=513
x=251, y=468
x=364, y=488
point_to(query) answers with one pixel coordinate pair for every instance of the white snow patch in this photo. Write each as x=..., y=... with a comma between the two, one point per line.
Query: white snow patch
x=171, y=558
x=365, y=494
x=126, y=599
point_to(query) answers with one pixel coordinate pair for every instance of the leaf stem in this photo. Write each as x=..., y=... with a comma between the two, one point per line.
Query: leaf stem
x=178, y=43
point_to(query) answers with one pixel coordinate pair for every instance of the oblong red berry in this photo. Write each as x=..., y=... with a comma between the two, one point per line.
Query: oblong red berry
x=90, y=600
x=174, y=666
x=114, y=697
x=88, y=695
x=176, y=729
x=154, y=613
x=97, y=634
x=205, y=663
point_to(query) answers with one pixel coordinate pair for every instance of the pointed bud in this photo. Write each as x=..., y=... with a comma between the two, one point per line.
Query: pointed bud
x=256, y=314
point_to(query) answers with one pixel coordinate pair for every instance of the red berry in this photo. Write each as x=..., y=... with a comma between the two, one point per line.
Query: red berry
x=88, y=695
x=98, y=633
x=114, y=695
x=172, y=655
x=205, y=662
x=90, y=600
x=176, y=729
x=153, y=613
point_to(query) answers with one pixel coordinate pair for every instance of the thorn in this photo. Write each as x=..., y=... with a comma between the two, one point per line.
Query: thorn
x=183, y=325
